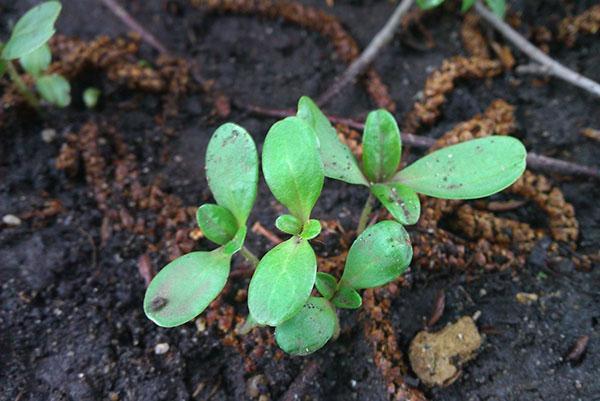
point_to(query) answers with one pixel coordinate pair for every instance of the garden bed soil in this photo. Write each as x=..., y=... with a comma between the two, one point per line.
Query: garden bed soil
x=71, y=319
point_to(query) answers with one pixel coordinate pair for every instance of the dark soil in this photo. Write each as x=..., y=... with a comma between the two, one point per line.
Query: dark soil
x=71, y=319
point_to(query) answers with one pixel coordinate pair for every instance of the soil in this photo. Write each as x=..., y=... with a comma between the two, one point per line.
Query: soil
x=71, y=319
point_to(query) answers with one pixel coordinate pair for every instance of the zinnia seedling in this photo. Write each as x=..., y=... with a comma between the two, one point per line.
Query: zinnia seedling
x=298, y=153
x=28, y=43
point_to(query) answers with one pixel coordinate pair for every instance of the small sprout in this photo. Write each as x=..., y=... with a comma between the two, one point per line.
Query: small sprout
x=311, y=229
x=91, y=96
x=28, y=43
x=298, y=152
x=326, y=285
x=289, y=224
x=217, y=223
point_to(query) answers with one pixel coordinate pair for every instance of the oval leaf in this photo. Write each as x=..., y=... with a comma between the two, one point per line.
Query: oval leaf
x=309, y=330
x=37, y=61
x=379, y=255
x=338, y=161
x=54, y=89
x=292, y=166
x=347, y=298
x=326, y=284
x=185, y=287
x=91, y=96
x=232, y=170
x=217, y=223
x=32, y=30
x=289, y=224
x=381, y=146
x=428, y=4
x=401, y=201
x=468, y=170
x=282, y=282
x=311, y=229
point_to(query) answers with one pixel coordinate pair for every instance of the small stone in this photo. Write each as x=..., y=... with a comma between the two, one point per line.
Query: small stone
x=256, y=385
x=200, y=324
x=112, y=396
x=526, y=298
x=11, y=220
x=161, y=348
x=264, y=397
x=48, y=135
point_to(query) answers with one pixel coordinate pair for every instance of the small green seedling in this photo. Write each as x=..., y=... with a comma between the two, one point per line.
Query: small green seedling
x=187, y=285
x=28, y=44
x=498, y=7
x=91, y=96
x=298, y=153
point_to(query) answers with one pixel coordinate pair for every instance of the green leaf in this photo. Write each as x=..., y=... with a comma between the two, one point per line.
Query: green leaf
x=37, y=61
x=237, y=242
x=311, y=229
x=347, y=298
x=468, y=170
x=32, y=30
x=326, y=284
x=289, y=224
x=292, y=166
x=338, y=161
x=379, y=255
x=3, y=67
x=401, y=201
x=91, y=96
x=309, y=330
x=428, y=4
x=55, y=89
x=217, y=223
x=185, y=287
x=282, y=282
x=466, y=5
x=232, y=170
x=381, y=146
x=498, y=7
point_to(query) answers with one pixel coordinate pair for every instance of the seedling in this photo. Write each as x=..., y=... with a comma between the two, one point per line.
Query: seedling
x=28, y=44
x=298, y=153
x=187, y=285
x=497, y=6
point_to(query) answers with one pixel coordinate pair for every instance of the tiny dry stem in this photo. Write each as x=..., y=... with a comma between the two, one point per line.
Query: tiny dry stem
x=360, y=64
x=364, y=216
x=22, y=88
x=547, y=64
x=249, y=256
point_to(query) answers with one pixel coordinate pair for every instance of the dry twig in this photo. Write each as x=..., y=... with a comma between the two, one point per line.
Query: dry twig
x=548, y=65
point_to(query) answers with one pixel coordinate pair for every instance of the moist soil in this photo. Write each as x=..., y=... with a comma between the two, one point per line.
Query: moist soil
x=71, y=319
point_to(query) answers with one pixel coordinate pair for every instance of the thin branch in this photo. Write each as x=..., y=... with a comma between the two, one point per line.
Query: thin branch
x=135, y=26
x=534, y=160
x=549, y=65
x=358, y=66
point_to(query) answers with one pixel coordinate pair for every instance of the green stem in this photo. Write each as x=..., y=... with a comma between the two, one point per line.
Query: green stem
x=249, y=256
x=23, y=89
x=364, y=216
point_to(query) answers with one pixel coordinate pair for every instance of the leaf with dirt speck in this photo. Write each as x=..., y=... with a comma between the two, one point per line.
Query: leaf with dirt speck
x=381, y=146
x=401, y=201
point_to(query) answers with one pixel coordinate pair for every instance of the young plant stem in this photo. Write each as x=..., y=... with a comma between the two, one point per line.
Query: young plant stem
x=249, y=256
x=379, y=41
x=21, y=86
x=547, y=65
x=364, y=216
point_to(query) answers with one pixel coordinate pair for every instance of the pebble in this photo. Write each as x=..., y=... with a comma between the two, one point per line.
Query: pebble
x=11, y=220
x=255, y=384
x=161, y=348
x=48, y=135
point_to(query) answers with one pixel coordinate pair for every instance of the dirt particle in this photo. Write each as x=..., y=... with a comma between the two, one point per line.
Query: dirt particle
x=158, y=303
x=161, y=348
